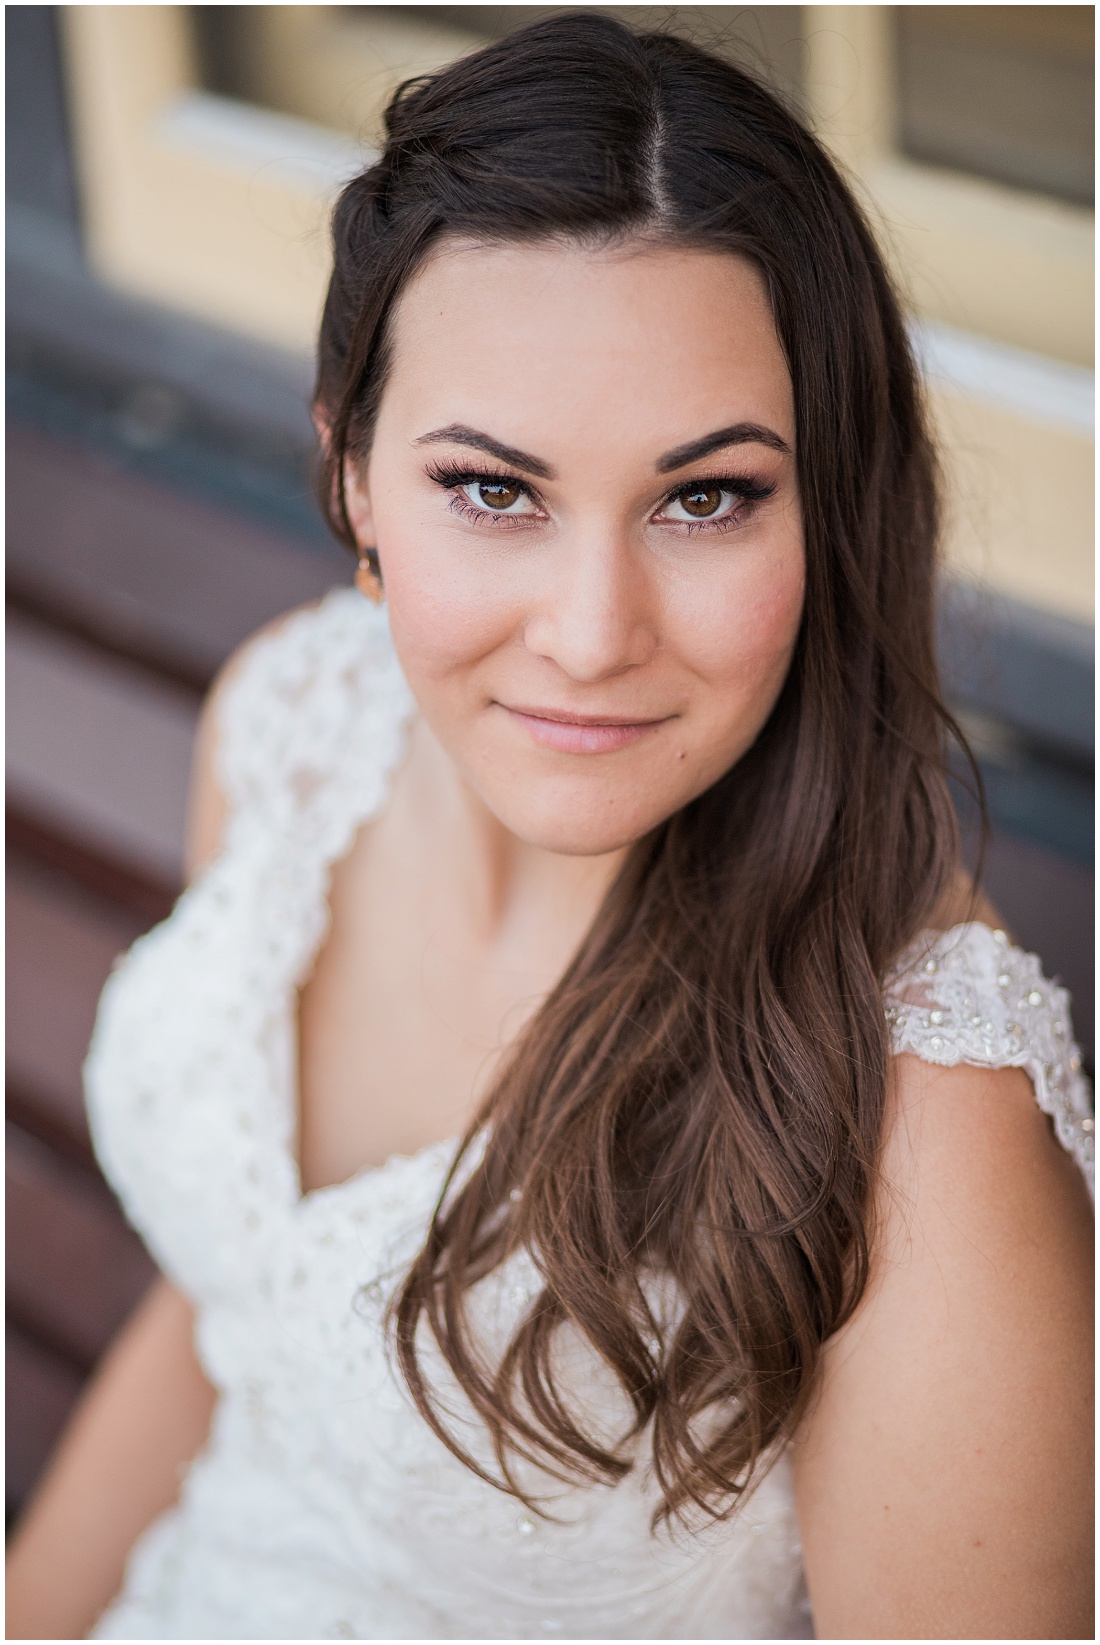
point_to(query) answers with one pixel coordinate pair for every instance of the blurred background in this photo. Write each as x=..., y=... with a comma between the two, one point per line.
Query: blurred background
x=169, y=174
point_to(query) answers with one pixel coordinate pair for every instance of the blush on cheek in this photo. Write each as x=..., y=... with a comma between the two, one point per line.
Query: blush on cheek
x=749, y=635
x=441, y=622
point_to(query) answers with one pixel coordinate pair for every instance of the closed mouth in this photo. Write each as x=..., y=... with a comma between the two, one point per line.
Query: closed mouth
x=564, y=731
x=565, y=716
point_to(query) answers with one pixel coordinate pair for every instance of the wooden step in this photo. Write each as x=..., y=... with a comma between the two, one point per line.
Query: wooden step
x=144, y=569
x=75, y=1270
x=98, y=747
x=61, y=942
x=42, y=1388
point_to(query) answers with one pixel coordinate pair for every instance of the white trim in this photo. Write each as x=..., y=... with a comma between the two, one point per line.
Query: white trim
x=1036, y=387
x=242, y=137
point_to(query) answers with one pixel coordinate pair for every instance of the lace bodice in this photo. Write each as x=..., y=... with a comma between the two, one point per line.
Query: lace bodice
x=322, y=1505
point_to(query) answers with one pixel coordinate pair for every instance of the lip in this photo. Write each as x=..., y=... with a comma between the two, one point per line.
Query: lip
x=570, y=733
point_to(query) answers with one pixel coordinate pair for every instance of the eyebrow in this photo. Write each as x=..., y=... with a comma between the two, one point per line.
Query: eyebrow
x=693, y=451
x=737, y=434
x=458, y=434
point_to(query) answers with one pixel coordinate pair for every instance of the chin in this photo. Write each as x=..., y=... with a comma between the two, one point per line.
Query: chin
x=575, y=826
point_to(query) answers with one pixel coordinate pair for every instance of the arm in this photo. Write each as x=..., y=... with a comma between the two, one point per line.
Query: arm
x=144, y=1416
x=943, y=1474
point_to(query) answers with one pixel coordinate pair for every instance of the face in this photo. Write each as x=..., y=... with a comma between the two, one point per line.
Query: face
x=582, y=491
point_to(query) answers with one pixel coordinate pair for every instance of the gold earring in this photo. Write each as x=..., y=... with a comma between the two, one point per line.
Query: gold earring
x=368, y=576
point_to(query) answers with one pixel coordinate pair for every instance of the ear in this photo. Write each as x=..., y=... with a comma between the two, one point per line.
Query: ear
x=321, y=424
x=357, y=499
x=355, y=491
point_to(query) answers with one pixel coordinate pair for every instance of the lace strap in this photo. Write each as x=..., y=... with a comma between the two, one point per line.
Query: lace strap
x=968, y=996
x=312, y=722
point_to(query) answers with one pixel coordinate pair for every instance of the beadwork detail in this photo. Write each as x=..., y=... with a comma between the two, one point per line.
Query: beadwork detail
x=966, y=995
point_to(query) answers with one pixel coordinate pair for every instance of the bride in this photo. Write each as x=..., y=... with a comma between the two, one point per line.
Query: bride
x=611, y=1178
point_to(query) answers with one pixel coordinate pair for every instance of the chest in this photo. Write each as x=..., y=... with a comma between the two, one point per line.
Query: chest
x=407, y=1011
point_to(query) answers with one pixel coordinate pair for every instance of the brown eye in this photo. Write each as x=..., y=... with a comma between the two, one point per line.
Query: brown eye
x=702, y=501
x=497, y=494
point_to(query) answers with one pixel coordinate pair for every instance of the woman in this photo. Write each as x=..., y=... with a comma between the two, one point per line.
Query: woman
x=628, y=861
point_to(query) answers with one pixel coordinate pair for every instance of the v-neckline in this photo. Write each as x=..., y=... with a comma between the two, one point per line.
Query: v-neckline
x=303, y=1199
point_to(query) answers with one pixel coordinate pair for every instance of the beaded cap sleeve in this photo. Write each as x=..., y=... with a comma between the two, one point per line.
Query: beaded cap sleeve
x=968, y=996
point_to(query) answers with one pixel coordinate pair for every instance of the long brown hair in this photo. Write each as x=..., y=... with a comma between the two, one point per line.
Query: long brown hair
x=702, y=1094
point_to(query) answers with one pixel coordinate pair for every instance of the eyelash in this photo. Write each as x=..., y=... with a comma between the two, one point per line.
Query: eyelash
x=452, y=477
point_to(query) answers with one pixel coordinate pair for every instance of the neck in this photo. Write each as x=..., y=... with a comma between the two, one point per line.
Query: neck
x=505, y=882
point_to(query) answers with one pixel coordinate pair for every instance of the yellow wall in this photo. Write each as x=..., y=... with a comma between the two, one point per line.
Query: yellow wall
x=1019, y=504
x=216, y=237
x=997, y=262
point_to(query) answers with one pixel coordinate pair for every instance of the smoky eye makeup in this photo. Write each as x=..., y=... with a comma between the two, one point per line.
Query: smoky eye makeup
x=710, y=502
x=499, y=492
x=718, y=501
x=448, y=475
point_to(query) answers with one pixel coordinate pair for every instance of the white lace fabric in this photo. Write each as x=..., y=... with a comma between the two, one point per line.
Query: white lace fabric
x=322, y=1505
x=967, y=995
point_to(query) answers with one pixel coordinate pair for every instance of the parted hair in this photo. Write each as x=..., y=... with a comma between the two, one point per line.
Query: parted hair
x=702, y=1095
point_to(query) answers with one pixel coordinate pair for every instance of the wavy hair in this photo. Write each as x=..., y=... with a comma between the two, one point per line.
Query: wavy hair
x=702, y=1094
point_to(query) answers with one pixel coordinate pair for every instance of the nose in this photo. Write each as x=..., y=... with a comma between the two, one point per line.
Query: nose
x=598, y=614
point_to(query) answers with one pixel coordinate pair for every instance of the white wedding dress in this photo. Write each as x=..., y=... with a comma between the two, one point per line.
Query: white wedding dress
x=322, y=1506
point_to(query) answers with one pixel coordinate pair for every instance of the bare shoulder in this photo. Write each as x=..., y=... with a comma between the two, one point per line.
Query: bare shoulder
x=206, y=812
x=982, y=1225
x=962, y=901
x=970, y=1142
x=943, y=1471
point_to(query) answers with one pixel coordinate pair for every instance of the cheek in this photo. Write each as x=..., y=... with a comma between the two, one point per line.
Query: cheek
x=740, y=638
x=446, y=609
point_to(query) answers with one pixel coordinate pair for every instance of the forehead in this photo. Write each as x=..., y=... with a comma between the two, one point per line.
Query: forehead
x=658, y=338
